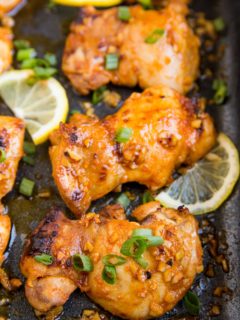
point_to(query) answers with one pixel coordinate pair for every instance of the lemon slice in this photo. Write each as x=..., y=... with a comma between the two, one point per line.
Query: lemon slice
x=42, y=106
x=208, y=183
x=97, y=3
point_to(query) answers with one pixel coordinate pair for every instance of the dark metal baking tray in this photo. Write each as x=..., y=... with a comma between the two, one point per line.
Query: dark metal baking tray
x=47, y=29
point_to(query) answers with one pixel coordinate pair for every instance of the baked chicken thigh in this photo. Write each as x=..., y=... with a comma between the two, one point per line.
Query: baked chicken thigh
x=137, y=292
x=145, y=141
x=154, y=47
x=11, y=151
x=5, y=48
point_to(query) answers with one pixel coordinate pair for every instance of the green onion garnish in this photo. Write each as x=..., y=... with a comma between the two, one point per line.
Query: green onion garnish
x=154, y=241
x=124, y=13
x=147, y=197
x=220, y=88
x=51, y=59
x=29, y=147
x=34, y=62
x=44, y=73
x=21, y=44
x=44, y=259
x=191, y=303
x=81, y=262
x=109, y=274
x=113, y=260
x=142, y=232
x=97, y=95
x=111, y=61
x=123, y=200
x=142, y=262
x=26, y=187
x=24, y=54
x=155, y=36
x=146, y=4
x=2, y=155
x=29, y=160
x=123, y=134
x=134, y=247
x=219, y=24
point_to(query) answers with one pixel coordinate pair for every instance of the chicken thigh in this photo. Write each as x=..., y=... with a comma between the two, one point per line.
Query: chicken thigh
x=138, y=292
x=154, y=47
x=11, y=151
x=91, y=157
x=5, y=48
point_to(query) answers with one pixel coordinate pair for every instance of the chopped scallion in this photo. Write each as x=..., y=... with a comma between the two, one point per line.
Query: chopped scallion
x=154, y=241
x=219, y=24
x=21, y=44
x=124, y=13
x=113, y=260
x=109, y=274
x=146, y=4
x=134, y=247
x=26, y=187
x=25, y=54
x=191, y=303
x=111, y=61
x=124, y=134
x=123, y=200
x=155, y=36
x=97, y=95
x=221, y=91
x=2, y=155
x=34, y=62
x=81, y=262
x=142, y=262
x=29, y=160
x=44, y=73
x=44, y=259
x=51, y=59
x=142, y=232
x=29, y=147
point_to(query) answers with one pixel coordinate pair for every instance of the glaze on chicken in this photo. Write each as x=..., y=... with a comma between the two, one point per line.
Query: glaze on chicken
x=137, y=293
x=5, y=48
x=172, y=60
x=167, y=131
x=11, y=147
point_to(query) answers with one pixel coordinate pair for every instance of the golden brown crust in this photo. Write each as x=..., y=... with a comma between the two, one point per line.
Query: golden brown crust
x=152, y=292
x=168, y=130
x=164, y=62
x=5, y=48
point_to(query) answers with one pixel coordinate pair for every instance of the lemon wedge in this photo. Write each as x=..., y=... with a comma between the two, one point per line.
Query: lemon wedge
x=42, y=106
x=97, y=3
x=208, y=183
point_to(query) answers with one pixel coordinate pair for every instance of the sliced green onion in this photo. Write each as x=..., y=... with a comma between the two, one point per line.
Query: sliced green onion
x=26, y=187
x=134, y=247
x=221, y=91
x=124, y=13
x=111, y=61
x=109, y=274
x=124, y=134
x=113, y=260
x=153, y=241
x=21, y=44
x=44, y=259
x=155, y=36
x=123, y=200
x=34, y=62
x=44, y=73
x=191, y=303
x=147, y=197
x=2, y=155
x=25, y=54
x=146, y=4
x=142, y=262
x=29, y=160
x=219, y=24
x=29, y=147
x=81, y=262
x=97, y=95
x=142, y=232
x=51, y=59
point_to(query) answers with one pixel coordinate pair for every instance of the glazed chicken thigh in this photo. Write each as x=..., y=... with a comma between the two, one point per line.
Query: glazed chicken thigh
x=5, y=48
x=154, y=47
x=164, y=130
x=11, y=150
x=137, y=293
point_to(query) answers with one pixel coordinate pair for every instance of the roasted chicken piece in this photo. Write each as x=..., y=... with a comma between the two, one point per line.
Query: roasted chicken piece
x=11, y=151
x=137, y=293
x=154, y=47
x=164, y=131
x=5, y=48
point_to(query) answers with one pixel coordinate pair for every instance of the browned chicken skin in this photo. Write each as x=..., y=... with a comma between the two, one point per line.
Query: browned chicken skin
x=173, y=60
x=11, y=142
x=167, y=131
x=5, y=48
x=137, y=293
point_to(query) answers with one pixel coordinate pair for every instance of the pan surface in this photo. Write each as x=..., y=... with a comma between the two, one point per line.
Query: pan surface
x=47, y=29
